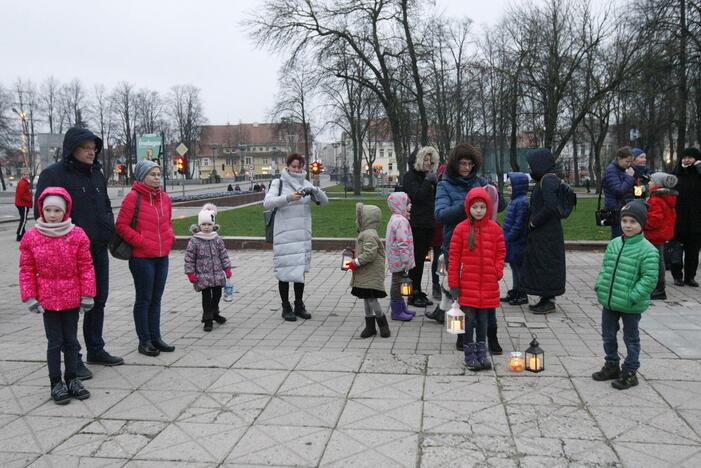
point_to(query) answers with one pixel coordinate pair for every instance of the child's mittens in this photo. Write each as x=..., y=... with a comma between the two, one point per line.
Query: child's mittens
x=192, y=277
x=455, y=293
x=34, y=306
x=352, y=266
x=227, y=272
x=86, y=304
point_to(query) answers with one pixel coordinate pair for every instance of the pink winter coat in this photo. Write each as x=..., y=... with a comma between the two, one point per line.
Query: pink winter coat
x=56, y=271
x=399, y=242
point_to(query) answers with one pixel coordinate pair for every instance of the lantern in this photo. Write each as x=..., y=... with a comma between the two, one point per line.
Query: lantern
x=346, y=258
x=535, y=358
x=405, y=287
x=455, y=320
x=516, y=362
x=441, y=269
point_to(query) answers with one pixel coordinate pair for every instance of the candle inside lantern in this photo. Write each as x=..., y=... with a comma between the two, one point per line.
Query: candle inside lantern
x=533, y=363
x=456, y=325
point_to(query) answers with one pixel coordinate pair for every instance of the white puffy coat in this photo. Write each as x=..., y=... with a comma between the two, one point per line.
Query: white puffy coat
x=292, y=240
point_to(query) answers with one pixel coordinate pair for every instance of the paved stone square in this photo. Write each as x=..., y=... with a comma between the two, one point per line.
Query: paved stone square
x=259, y=391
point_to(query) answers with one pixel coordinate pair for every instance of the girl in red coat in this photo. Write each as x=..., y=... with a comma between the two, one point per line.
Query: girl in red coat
x=661, y=218
x=475, y=266
x=57, y=280
x=151, y=239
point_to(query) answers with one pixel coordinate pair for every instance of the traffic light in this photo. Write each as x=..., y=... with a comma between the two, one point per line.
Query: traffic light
x=316, y=167
x=180, y=165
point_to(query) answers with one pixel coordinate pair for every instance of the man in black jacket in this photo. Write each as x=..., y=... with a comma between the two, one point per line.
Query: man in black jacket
x=79, y=173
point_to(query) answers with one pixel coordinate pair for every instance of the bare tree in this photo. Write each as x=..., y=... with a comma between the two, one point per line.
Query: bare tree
x=48, y=98
x=75, y=101
x=149, y=108
x=123, y=103
x=26, y=110
x=185, y=106
x=104, y=119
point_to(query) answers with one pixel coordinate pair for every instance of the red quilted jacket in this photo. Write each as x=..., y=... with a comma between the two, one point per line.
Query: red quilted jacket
x=23, y=194
x=661, y=216
x=153, y=236
x=477, y=272
x=56, y=271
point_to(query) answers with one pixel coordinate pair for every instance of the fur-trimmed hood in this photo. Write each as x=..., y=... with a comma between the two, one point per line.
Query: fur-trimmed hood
x=419, y=162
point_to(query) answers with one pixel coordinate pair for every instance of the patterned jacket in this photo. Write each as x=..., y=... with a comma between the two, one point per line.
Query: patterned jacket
x=399, y=241
x=207, y=258
x=56, y=271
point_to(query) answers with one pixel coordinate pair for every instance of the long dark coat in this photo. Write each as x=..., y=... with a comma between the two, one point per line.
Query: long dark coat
x=688, y=203
x=544, y=272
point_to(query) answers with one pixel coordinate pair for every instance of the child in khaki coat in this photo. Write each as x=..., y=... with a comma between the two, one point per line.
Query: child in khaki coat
x=368, y=282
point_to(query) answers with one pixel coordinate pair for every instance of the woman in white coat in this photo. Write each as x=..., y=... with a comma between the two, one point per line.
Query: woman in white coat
x=292, y=240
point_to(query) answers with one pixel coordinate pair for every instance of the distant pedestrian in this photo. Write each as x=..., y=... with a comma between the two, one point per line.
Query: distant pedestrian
x=368, y=267
x=151, y=240
x=587, y=184
x=237, y=188
x=399, y=242
x=627, y=278
x=207, y=264
x=23, y=202
x=476, y=265
x=515, y=234
x=661, y=218
x=420, y=184
x=642, y=173
x=291, y=194
x=619, y=179
x=688, y=227
x=80, y=174
x=230, y=188
x=57, y=280
x=544, y=272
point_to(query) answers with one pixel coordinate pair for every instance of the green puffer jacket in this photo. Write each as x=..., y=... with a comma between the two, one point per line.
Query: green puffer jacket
x=628, y=275
x=369, y=249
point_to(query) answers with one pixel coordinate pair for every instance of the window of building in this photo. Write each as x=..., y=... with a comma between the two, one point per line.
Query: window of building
x=249, y=160
x=389, y=166
x=205, y=162
x=382, y=153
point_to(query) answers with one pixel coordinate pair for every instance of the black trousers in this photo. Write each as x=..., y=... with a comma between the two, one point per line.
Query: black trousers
x=422, y=242
x=210, y=303
x=690, y=249
x=61, y=327
x=23, y=216
x=284, y=290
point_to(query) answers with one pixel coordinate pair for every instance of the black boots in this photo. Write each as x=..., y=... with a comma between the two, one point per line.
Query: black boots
x=658, y=294
x=287, y=312
x=626, y=380
x=384, y=326
x=544, y=306
x=301, y=311
x=147, y=349
x=493, y=341
x=438, y=314
x=610, y=371
x=518, y=298
x=370, y=329
x=59, y=393
x=161, y=345
x=508, y=297
x=459, y=343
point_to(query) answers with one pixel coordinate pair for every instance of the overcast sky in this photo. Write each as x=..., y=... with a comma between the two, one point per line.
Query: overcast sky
x=159, y=43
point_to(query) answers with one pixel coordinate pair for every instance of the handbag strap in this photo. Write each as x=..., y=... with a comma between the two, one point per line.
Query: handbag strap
x=279, y=192
x=601, y=190
x=135, y=217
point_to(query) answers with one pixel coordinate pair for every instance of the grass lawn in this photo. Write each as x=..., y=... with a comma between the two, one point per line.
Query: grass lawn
x=337, y=219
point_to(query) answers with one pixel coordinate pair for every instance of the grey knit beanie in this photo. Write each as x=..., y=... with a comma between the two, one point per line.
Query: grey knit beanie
x=664, y=180
x=142, y=168
x=636, y=209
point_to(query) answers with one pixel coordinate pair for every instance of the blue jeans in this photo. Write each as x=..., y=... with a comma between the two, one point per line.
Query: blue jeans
x=516, y=272
x=94, y=320
x=150, y=276
x=476, y=323
x=61, y=327
x=631, y=337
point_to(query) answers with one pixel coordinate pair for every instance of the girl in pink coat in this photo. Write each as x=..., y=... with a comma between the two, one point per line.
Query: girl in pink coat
x=399, y=244
x=57, y=280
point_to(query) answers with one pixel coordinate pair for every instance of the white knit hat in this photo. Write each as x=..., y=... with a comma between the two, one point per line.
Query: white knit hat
x=56, y=201
x=208, y=214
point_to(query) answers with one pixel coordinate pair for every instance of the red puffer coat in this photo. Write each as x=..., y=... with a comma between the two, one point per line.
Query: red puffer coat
x=153, y=236
x=477, y=272
x=56, y=271
x=661, y=216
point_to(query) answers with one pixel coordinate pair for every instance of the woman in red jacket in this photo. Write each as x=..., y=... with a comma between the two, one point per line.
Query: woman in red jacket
x=151, y=239
x=661, y=218
x=23, y=202
x=475, y=266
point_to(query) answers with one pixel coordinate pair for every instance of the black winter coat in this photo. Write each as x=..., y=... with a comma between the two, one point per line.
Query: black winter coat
x=86, y=184
x=688, y=202
x=422, y=194
x=544, y=272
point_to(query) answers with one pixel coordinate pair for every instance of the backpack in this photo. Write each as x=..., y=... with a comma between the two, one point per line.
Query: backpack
x=566, y=198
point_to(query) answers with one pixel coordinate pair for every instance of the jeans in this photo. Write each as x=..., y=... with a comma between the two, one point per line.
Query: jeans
x=434, y=266
x=631, y=337
x=61, y=328
x=150, y=276
x=422, y=242
x=23, y=216
x=94, y=320
x=210, y=302
x=476, y=324
x=516, y=272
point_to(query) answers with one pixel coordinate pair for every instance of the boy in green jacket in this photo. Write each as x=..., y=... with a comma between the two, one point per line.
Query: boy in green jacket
x=628, y=275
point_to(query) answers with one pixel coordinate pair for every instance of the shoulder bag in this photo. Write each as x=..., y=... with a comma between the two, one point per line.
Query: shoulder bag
x=605, y=216
x=269, y=219
x=118, y=246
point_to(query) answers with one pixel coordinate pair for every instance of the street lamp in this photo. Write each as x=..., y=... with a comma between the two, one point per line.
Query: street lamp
x=213, y=174
x=242, y=148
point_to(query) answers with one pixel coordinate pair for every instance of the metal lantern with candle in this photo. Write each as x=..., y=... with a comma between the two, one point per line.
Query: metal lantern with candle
x=455, y=320
x=346, y=258
x=405, y=287
x=535, y=358
x=440, y=267
x=516, y=361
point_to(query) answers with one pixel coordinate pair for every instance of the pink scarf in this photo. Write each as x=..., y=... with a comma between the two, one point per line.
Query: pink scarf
x=54, y=229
